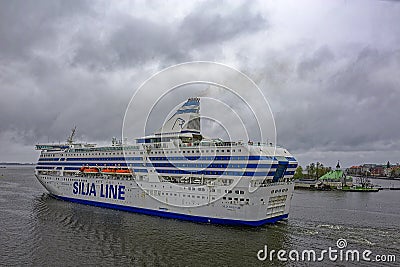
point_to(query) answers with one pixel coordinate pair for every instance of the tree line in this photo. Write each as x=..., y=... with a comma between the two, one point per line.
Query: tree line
x=312, y=171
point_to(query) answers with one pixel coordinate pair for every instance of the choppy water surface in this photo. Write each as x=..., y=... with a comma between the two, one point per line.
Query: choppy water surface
x=37, y=230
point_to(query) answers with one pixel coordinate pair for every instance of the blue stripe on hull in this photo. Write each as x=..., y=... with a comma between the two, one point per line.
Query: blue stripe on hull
x=173, y=215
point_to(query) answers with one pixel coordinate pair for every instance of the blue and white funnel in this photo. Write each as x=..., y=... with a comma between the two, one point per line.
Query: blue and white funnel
x=185, y=120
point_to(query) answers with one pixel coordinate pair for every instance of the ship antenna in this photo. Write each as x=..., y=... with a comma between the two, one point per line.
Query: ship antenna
x=70, y=139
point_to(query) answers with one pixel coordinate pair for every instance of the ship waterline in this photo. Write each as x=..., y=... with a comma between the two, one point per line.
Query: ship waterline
x=175, y=173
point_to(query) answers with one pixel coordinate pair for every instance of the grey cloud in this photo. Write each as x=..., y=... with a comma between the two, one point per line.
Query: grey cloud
x=310, y=65
x=65, y=63
x=133, y=43
x=137, y=41
x=204, y=26
x=26, y=25
x=45, y=106
x=350, y=109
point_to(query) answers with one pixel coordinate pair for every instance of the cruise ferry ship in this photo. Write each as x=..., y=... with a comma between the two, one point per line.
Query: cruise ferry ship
x=175, y=173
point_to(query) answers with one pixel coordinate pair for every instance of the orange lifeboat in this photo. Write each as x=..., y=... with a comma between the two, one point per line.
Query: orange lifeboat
x=90, y=170
x=123, y=171
x=108, y=170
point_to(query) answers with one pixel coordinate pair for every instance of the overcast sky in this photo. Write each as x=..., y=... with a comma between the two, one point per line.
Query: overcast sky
x=330, y=69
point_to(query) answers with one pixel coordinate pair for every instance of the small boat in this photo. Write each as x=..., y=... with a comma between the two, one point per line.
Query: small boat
x=108, y=170
x=90, y=170
x=355, y=188
x=123, y=171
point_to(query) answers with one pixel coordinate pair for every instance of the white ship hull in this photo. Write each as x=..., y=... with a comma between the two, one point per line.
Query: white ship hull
x=263, y=205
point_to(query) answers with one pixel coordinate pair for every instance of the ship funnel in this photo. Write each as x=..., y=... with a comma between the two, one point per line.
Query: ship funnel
x=185, y=120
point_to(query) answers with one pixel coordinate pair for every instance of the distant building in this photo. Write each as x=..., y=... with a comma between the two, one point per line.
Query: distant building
x=354, y=170
x=392, y=171
x=336, y=178
x=366, y=168
x=377, y=171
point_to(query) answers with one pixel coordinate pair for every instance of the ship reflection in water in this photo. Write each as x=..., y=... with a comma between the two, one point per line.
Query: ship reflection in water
x=37, y=229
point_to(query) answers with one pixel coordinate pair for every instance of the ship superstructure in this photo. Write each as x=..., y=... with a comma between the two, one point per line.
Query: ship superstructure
x=176, y=172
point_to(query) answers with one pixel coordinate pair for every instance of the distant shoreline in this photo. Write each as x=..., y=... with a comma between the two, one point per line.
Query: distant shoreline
x=379, y=177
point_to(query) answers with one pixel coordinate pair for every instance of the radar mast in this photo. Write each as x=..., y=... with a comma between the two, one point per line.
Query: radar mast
x=70, y=139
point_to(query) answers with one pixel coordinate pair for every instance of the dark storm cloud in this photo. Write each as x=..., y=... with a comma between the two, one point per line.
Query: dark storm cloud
x=60, y=64
x=331, y=77
x=133, y=43
x=26, y=25
x=136, y=41
x=352, y=109
x=46, y=105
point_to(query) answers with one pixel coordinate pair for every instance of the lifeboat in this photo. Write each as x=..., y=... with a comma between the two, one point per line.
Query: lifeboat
x=123, y=171
x=90, y=170
x=108, y=170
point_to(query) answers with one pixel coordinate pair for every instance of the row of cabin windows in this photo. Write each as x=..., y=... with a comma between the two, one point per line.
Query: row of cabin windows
x=235, y=199
x=238, y=192
x=183, y=195
x=189, y=188
x=90, y=154
x=141, y=153
x=193, y=151
x=279, y=190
